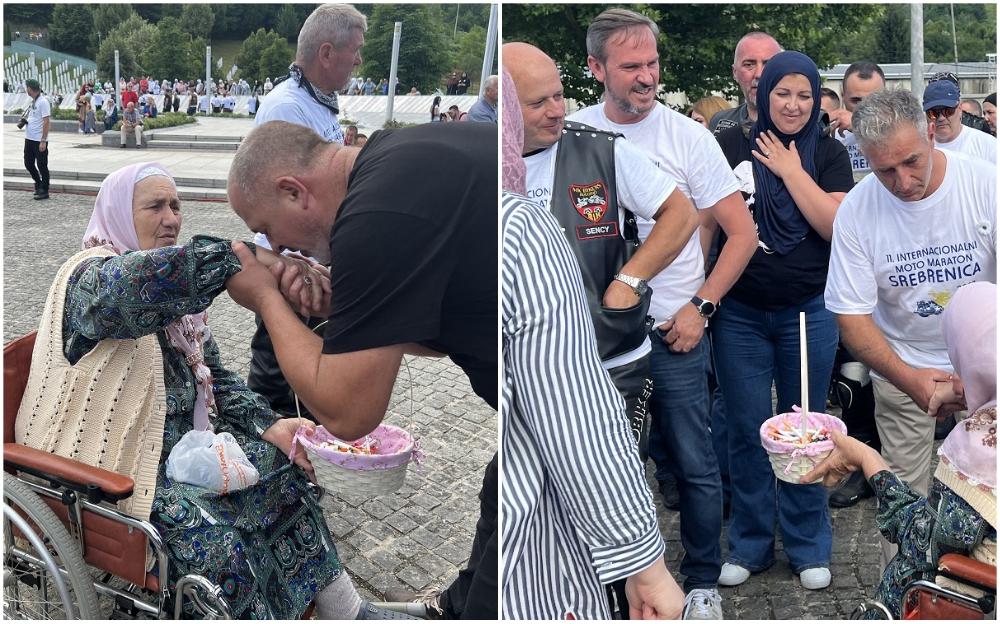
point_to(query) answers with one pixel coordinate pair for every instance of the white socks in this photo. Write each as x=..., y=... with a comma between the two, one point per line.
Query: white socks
x=338, y=600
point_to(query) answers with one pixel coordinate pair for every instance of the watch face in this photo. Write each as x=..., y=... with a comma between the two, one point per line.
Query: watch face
x=707, y=308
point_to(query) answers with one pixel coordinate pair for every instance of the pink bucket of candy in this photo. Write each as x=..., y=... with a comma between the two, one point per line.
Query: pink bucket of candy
x=791, y=455
x=375, y=464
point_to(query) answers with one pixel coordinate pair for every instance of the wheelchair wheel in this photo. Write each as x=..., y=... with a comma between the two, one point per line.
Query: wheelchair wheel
x=44, y=575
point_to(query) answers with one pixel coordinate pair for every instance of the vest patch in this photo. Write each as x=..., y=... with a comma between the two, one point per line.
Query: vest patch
x=590, y=200
x=603, y=230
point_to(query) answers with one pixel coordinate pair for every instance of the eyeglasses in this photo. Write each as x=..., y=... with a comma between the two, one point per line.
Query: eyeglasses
x=941, y=111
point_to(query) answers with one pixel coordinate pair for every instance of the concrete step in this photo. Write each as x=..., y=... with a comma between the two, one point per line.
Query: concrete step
x=191, y=138
x=9, y=172
x=90, y=187
x=218, y=146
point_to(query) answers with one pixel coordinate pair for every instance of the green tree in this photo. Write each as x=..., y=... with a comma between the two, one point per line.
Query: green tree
x=6, y=33
x=288, y=23
x=893, y=36
x=173, y=52
x=70, y=29
x=260, y=54
x=423, y=49
x=130, y=38
x=275, y=59
x=467, y=52
x=696, y=41
x=36, y=14
x=197, y=20
x=108, y=16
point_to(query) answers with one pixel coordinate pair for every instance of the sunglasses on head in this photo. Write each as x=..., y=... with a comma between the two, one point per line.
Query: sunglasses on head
x=941, y=111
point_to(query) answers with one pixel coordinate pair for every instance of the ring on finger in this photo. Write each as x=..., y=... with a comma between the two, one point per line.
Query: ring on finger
x=307, y=280
x=767, y=154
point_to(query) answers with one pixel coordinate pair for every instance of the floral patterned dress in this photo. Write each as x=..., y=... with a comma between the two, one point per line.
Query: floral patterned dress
x=268, y=546
x=924, y=529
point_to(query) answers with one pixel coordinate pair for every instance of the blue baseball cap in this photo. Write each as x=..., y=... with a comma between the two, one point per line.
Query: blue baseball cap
x=941, y=93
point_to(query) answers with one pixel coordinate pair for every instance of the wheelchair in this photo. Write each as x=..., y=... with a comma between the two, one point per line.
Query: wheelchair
x=69, y=553
x=964, y=589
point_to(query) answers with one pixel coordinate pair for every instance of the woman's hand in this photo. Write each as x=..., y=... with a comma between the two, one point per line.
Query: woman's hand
x=305, y=285
x=781, y=160
x=281, y=434
x=849, y=455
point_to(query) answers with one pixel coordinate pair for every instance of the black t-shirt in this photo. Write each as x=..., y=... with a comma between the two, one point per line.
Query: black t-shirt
x=414, y=248
x=772, y=281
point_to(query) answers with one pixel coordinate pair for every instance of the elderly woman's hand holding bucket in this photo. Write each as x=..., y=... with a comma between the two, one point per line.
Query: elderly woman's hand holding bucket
x=848, y=455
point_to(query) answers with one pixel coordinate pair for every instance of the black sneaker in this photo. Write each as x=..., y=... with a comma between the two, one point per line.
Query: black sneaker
x=43, y=193
x=38, y=189
x=852, y=490
x=668, y=491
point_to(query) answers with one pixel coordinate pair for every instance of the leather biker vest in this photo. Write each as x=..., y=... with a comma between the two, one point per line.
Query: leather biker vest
x=585, y=204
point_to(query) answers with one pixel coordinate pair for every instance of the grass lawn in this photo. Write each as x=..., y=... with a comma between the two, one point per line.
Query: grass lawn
x=228, y=49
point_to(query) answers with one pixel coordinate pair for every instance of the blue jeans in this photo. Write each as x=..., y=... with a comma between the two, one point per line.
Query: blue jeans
x=680, y=442
x=753, y=348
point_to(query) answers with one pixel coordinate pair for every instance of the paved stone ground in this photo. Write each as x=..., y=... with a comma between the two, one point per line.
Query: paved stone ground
x=416, y=537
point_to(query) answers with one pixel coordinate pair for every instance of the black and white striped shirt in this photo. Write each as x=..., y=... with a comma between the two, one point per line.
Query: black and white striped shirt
x=576, y=510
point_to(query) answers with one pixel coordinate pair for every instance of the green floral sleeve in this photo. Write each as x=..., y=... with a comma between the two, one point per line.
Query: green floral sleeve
x=239, y=407
x=141, y=292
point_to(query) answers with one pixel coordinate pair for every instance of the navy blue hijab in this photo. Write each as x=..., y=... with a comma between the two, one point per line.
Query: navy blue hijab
x=779, y=222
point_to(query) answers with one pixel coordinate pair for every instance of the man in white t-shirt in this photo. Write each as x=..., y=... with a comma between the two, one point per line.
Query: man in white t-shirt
x=904, y=240
x=861, y=79
x=622, y=54
x=329, y=49
x=36, y=138
x=941, y=99
x=637, y=185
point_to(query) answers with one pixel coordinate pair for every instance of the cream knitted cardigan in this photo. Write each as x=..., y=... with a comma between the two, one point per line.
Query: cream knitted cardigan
x=107, y=410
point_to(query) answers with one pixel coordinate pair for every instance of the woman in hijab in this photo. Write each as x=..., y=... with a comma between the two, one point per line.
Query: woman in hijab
x=960, y=515
x=125, y=325
x=793, y=180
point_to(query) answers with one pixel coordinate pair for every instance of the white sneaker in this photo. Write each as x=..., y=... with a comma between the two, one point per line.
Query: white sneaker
x=815, y=578
x=733, y=574
x=703, y=604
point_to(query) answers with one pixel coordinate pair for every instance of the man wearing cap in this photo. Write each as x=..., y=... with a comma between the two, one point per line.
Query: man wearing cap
x=941, y=101
x=36, y=139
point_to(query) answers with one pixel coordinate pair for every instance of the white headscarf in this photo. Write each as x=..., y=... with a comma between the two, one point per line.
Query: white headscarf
x=112, y=225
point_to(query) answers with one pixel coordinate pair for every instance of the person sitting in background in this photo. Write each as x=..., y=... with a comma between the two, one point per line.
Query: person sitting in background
x=150, y=107
x=132, y=304
x=110, y=112
x=131, y=122
x=705, y=108
x=960, y=513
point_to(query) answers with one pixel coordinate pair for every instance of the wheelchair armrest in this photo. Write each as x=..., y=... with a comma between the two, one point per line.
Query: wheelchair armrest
x=966, y=569
x=69, y=473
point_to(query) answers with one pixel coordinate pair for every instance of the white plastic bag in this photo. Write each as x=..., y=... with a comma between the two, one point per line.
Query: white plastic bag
x=212, y=461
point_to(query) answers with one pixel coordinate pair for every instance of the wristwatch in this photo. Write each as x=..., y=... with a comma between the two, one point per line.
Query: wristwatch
x=705, y=307
x=637, y=285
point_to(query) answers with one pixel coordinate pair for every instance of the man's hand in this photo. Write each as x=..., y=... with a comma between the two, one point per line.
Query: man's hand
x=42, y=146
x=947, y=399
x=841, y=120
x=848, y=455
x=920, y=384
x=253, y=283
x=654, y=595
x=684, y=330
x=619, y=296
x=281, y=434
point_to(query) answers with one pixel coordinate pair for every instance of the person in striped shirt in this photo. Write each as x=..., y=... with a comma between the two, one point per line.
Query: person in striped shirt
x=576, y=511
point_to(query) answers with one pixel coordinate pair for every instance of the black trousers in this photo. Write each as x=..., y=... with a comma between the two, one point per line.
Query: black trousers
x=473, y=595
x=33, y=156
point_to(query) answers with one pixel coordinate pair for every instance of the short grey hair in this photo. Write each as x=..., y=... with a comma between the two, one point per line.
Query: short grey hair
x=270, y=150
x=491, y=82
x=329, y=23
x=609, y=23
x=881, y=114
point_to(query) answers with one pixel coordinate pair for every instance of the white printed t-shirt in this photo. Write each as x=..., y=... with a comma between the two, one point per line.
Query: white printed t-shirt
x=902, y=261
x=689, y=154
x=859, y=164
x=639, y=186
x=972, y=142
x=37, y=111
x=290, y=102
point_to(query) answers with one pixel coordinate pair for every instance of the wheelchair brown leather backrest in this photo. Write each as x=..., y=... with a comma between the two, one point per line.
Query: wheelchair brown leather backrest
x=16, y=364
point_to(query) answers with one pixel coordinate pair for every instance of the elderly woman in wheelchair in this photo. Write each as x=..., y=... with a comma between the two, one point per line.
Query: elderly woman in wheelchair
x=124, y=365
x=952, y=533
